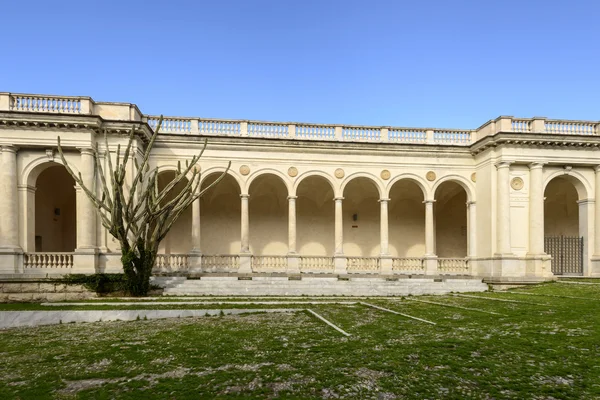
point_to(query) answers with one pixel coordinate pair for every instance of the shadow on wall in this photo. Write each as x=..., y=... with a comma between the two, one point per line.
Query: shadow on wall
x=315, y=217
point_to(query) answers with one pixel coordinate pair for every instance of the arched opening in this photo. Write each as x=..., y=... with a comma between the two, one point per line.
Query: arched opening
x=406, y=216
x=563, y=233
x=178, y=240
x=268, y=207
x=451, y=220
x=315, y=218
x=361, y=216
x=55, y=211
x=220, y=211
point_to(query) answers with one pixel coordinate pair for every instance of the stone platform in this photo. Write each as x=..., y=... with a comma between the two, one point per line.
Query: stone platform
x=316, y=285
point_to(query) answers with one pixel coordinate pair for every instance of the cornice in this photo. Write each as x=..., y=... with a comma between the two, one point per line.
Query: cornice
x=535, y=140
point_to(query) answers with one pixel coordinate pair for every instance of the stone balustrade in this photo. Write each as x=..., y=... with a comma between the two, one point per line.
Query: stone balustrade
x=269, y=263
x=289, y=130
x=47, y=260
x=453, y=265
x=369, y=265
x=316, y=264
x=220, y=263
x=165, y=263
x=407, y=264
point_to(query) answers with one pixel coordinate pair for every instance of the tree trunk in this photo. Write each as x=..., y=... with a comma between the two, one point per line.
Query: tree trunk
x=137, y=270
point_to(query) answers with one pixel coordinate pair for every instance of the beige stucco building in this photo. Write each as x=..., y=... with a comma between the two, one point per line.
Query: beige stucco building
x=493, y=202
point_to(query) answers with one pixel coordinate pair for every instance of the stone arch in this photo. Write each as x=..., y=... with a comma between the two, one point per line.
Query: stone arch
x=450, y=218
x=215, y=170
x=268, y=171
x=315, y=219
x=406, y=216
x=376, y=182
x=581, y=184
x=408, y=176
x=36, y=166
x=309, y=174
x=461, y=180
x=361, y=212
x=268, y=214
x=178, y=240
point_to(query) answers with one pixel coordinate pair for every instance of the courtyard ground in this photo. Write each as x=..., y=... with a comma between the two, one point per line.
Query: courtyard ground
x=539, y=342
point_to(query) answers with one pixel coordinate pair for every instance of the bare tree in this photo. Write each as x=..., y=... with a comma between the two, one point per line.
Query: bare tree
x=141, y=215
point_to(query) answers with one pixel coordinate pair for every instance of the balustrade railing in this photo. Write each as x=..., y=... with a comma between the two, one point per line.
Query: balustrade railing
x=208, y=127
x=45, y=104
x=407, y=264
x=452, y=137
x=171, y=263
x=315, y=132
x=362, y=264
x=220, y=263
x=316, y=264
x=48, y=260
x=407, y=135
x=521, y=125
x=269, y=263
x=570, y=128
x=269, y=130
x=453, y=265
x=361, y=134
x=172, y=125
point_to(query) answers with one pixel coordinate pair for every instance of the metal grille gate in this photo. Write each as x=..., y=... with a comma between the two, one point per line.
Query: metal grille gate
x=566, y=252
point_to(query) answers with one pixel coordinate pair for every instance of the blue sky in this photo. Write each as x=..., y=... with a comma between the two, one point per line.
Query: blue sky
x=452, y=64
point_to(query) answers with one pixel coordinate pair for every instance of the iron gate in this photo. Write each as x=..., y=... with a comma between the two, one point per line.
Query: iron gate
x=566, y=252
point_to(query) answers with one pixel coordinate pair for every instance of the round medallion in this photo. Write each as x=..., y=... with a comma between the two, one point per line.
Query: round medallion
x=244, y=170
x=517, y=183
x=385, y=174
x=430, y=176
x=292, y=171
x=339, y=173
x=474, y=177
x=197, y=168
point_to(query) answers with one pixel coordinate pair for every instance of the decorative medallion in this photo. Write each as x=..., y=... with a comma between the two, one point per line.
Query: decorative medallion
x=339, y=173
x=474, y=177
x=197, y=168
x=385, y=174
x=292, y=171
x=244, y=170
x=430, y=176
x=517, y=183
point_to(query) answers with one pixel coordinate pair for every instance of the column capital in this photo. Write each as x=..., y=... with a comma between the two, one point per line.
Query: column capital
x=9, y=148
x=244, y=195
x=86, y=151
x=338, y=198
x=428, y=201
x=537, y=165
x=384, y=200
x=586, y=201
x=503, y=164
x=597, y=169
x=292, y=197
x=471, y=203
x=27, y=188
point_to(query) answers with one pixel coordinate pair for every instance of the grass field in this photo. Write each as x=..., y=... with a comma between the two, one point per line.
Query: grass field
x=542, y=344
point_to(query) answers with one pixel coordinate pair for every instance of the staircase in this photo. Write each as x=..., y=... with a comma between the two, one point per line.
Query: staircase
x=315, y=286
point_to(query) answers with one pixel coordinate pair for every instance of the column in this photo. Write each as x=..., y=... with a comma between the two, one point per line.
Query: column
x=9, y=223
x=536, y=208
x=86, y=218
x=597, y=222
x=472, y=226
x=503, y=207
x=245, y=239
x=196, y=226
x=292, y=224
x=429, y=229
x=384, y=230
x=339, y=227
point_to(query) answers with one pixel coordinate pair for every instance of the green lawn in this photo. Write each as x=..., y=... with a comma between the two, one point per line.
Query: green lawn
x=542, y=347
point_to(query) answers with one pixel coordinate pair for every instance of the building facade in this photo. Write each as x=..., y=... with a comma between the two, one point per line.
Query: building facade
x=510, y=201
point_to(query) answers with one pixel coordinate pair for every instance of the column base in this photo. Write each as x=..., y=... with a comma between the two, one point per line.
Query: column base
x=339, y=265
x=293, y=263
x=431, y=264
x=385, y=262
x=538, y=265
x=245, y=263
x=11, y=260
x=85, y=261
x=195, y=261
x=594, y=270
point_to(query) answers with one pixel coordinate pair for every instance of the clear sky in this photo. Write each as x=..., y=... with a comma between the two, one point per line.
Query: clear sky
x=453, y=64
